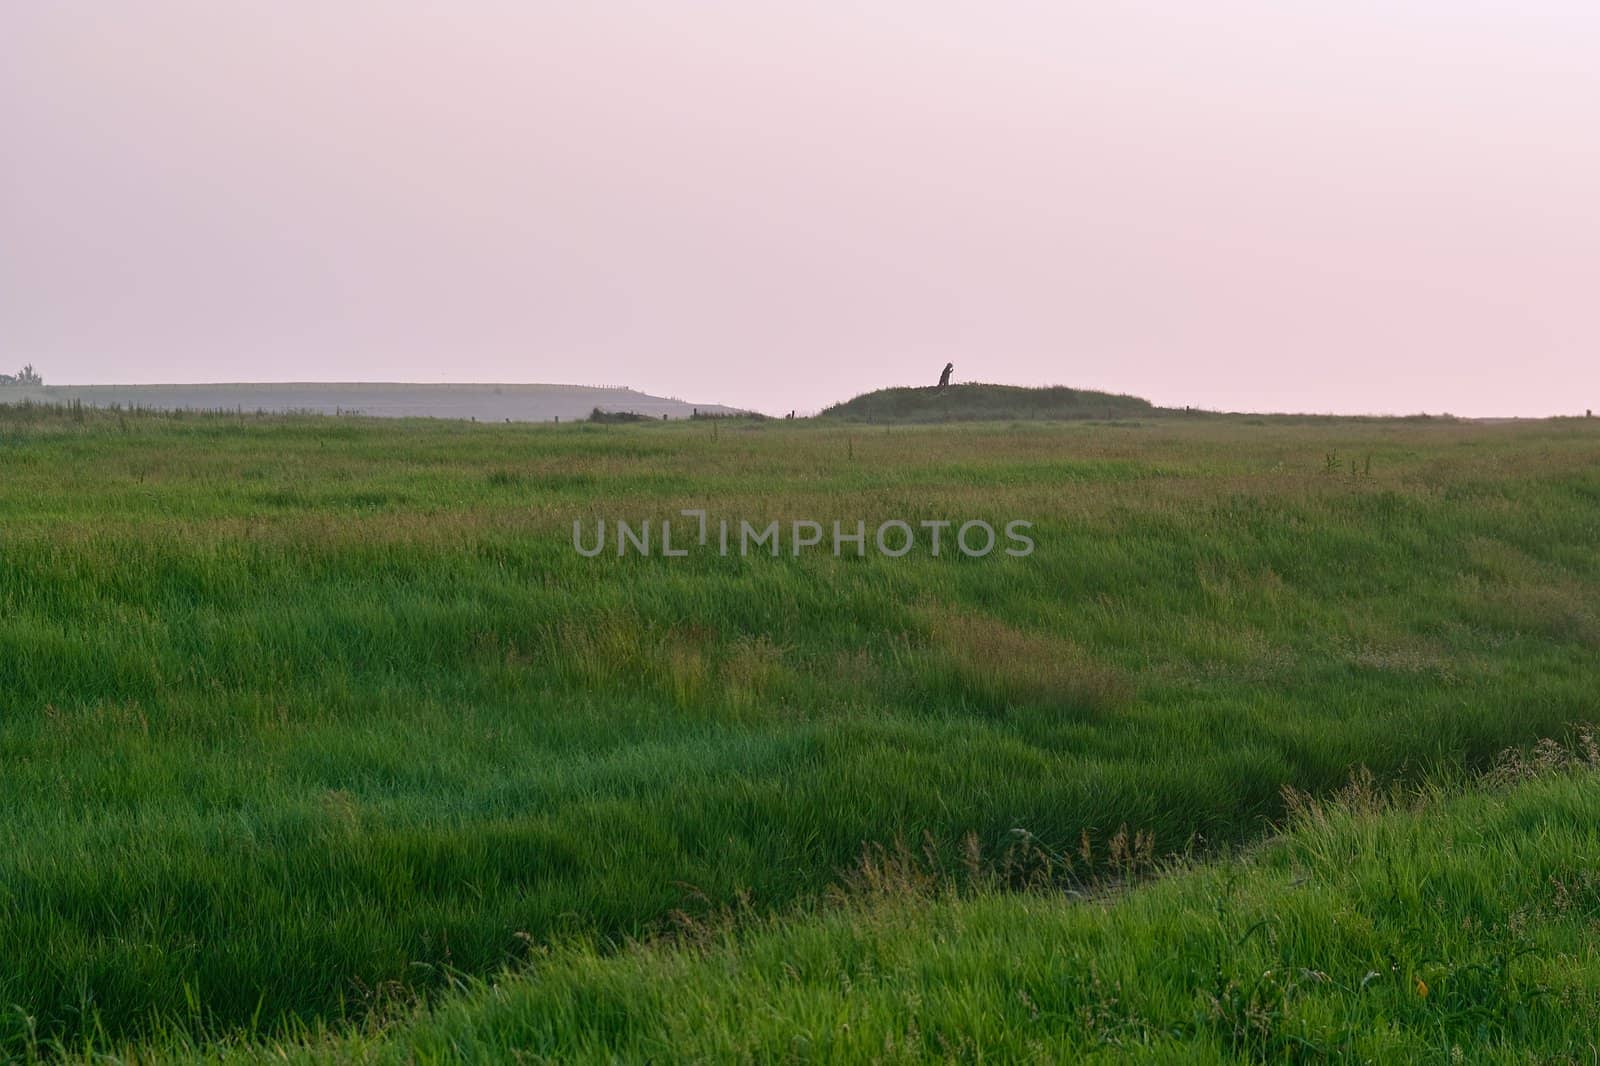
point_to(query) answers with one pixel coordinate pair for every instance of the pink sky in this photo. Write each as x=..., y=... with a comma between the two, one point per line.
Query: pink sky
x=1344, y=205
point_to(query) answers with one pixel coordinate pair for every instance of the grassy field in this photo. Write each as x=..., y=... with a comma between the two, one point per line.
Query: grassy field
x=310, y=722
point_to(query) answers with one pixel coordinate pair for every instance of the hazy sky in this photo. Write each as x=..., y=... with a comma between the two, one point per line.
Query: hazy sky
x=1350, y=205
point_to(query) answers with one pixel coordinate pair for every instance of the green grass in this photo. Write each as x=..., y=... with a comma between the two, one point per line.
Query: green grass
x=1433, y=927
x=302, y=718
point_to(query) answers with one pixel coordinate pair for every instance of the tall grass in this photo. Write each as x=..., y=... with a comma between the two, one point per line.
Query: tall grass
x=303, y=718
x=1423, y=926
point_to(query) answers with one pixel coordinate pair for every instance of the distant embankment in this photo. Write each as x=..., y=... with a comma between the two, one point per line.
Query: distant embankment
x=487, y=403
x=988, y=402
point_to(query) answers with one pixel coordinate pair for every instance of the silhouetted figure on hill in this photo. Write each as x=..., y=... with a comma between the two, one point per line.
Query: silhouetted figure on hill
x=944, y=379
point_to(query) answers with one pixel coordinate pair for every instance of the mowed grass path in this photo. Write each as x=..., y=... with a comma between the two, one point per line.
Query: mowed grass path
x=304, y=717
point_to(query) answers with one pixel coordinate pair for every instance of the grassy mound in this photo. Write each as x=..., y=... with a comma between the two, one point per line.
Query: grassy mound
x=988, y=403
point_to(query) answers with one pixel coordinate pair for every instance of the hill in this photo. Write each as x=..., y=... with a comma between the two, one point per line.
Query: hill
x=980, y=403
x=485, y=402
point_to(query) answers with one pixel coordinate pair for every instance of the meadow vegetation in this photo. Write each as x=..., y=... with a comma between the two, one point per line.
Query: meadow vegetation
x=310, y=724
x=1439, y=924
